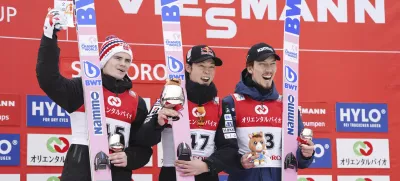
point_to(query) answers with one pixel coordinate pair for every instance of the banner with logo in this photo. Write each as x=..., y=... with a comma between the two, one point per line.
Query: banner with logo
x=363, y=153
x=363, y=178
x=44, y=177
x=10, y=149
x=348, y=92
x=314, y=178
x=47, y=149
x=317, y=116
x=10, y=109
x=10, y=177
x=43, y=112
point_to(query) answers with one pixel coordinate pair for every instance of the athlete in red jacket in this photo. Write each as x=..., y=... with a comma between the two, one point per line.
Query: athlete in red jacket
x=125, y=110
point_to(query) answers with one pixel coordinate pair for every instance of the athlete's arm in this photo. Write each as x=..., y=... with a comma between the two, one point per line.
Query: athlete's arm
x=137, y=154
x=303, y=162
x=67, y=93
x=225, y=158
x=150, y=132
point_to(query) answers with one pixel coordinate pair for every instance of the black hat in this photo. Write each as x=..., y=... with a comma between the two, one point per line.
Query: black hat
x=201, y=53
x=261, y=51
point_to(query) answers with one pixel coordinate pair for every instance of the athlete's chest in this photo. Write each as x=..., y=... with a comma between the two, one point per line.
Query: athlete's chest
x=122, y=107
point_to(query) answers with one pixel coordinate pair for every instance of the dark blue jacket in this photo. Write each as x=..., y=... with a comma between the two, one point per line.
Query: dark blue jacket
x=260, y=174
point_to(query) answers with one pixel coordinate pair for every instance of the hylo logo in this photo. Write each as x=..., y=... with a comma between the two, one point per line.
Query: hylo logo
x=360, y=148
x=261, y=109
x=91, y=70
x=57, y=145
x=373, y=115
x=7, y=149
x=114, y=101
x=305, y=179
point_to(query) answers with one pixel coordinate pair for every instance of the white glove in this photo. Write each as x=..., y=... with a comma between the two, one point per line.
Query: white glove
x=55, y=19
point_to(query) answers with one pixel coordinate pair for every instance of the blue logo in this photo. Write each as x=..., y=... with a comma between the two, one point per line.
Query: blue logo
x=43, y=112
x=174, y=65
x=223, y=177
x=292, y=20
x=89, y=48
x=361, y=117
x=170, y=13
x=96, y=113
x=323, y=153
x=291, y=54
x=85, y=16
x=290, y=74
x=91, y=70
x=173, y=43
x=291, y=113
x=9, y=150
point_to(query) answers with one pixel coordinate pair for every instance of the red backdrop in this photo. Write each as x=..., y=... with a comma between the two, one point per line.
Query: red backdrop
x=348, y=61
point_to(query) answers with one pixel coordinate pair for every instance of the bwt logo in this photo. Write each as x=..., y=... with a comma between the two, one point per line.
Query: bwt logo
x=361, y=148
x=54, y=178
x=305, y=179
x=91, y=70
x=6, y=146
x=364, y=179
x=57, y=145
x=290, y=76
x=174, y=65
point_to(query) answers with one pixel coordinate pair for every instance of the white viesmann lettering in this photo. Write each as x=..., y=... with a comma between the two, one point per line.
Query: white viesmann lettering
x=313, y=111
x=222, y=25
x=7, y=103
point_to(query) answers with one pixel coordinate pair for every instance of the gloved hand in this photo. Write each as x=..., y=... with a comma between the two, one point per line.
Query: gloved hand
x=55, y=21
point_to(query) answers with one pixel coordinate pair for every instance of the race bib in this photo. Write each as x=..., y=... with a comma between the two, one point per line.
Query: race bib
x=264, y=141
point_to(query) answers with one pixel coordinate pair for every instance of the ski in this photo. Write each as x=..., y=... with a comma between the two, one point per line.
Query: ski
x=86, y=30
x=290, y=89
x=170, y=16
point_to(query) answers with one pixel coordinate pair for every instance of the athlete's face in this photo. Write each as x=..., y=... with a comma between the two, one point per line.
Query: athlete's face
x=263, y=72
x=202, y=72
x=118, y=65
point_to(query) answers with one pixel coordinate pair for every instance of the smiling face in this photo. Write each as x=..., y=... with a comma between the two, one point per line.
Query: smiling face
x=263, y=72
x=202, y=72
x=118, y=65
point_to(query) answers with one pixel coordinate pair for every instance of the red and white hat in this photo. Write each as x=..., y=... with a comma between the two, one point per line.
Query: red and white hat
x=111, y=46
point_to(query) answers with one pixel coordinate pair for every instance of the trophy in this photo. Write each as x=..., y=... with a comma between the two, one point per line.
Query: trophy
x=116, y=142
x=306, y=134
x=173, y=97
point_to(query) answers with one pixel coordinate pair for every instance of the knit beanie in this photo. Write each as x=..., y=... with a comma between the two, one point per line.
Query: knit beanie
x=111, y=46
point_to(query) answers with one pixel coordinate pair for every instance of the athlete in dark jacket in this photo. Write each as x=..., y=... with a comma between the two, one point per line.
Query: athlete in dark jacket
x=214, y=145
x=257, y=107
x=115, y=58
